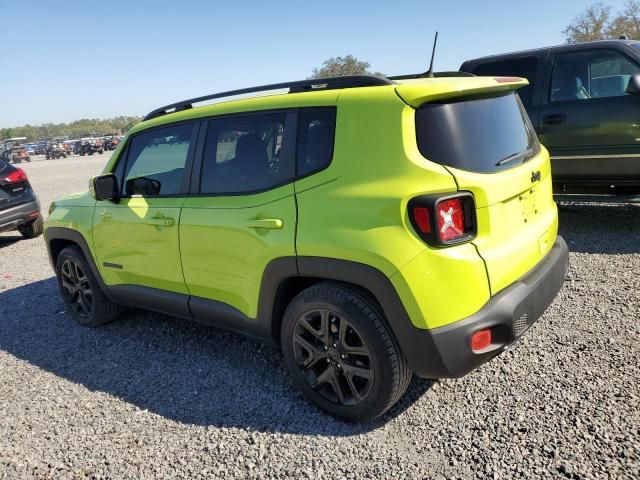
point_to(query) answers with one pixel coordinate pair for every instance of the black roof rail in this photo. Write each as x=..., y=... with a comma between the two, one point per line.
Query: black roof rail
x=410, y=76
x=328, y=83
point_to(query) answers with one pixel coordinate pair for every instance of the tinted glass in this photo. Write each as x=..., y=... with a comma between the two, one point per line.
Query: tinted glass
x=156, y=161
x=316, y=128
x=525, y=67
x=478, y=135
x=243, y=154
x=591, y=74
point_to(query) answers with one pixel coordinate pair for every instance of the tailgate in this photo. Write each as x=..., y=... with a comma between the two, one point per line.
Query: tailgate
x=484, y=138
x=517, y=218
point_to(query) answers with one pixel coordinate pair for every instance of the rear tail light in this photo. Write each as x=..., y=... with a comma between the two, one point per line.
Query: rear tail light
x=16, y=176
x=444, y=220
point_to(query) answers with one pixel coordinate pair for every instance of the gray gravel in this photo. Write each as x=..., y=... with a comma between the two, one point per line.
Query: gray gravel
x=152, y=396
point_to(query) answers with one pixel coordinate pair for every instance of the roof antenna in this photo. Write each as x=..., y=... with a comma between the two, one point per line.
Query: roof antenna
x=429, y=73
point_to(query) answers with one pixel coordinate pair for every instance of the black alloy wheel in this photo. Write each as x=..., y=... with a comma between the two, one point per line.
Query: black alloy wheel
x=76, y=288
x=333, y=357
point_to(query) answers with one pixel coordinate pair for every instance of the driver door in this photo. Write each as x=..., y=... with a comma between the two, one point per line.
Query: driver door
x=589, y=123
x=136, y=240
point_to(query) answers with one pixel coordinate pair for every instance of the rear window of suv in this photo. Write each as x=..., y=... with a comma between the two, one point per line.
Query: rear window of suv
x=477, y=134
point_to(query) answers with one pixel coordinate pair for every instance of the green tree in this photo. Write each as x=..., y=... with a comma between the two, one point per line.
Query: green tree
x=598, y=23
x=627, y=22
x=592, y=24
x=75, y=129
x=340, y=66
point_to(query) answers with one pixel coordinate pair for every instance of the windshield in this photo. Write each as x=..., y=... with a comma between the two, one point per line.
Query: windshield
x=477, y=134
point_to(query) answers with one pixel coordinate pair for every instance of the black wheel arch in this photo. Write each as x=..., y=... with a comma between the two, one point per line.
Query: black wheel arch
x=282, y=280
x=59, y=238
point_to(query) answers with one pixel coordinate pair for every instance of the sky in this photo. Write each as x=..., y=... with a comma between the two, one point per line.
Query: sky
x=66, y=60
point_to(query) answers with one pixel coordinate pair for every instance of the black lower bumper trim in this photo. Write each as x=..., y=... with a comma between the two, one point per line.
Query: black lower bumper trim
x=446, y=351
x=14, y=217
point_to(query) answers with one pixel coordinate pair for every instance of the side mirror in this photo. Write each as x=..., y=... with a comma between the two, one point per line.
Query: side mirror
x=147, y=187
x=105, y=187
x=633, y=87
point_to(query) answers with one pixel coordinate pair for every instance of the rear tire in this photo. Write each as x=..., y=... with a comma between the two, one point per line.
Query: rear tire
x=33, y=229
x=340, y=353
x=81, y=293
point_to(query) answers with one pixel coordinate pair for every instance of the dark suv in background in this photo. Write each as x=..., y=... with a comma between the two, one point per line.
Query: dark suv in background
x=584, y=101
x=19, y=206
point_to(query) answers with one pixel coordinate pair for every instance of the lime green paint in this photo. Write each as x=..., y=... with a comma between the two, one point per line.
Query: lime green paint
x=141, y=234
x=226, y=247
x=219, y=246
x=75, y=212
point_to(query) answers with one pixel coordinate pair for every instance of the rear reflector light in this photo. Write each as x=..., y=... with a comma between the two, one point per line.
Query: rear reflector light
x=421, y=217
x=16, y=176
x=481, y=340
x=450, y=215
x=442, y=220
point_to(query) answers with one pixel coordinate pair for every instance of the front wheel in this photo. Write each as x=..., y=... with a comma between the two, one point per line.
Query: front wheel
x=340, y=353
x=82, y=296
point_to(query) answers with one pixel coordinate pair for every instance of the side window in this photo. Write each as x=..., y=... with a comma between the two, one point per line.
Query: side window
x=590, y=74
x=525, y=67
x=316, y=132
x=156, y=161
x=243, y=154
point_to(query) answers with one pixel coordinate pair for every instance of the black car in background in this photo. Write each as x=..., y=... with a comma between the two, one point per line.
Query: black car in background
x=19, y=206
x=584, y=101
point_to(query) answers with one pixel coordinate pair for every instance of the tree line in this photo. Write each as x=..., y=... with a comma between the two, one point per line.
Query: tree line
x=597, y=22
x=116, y=125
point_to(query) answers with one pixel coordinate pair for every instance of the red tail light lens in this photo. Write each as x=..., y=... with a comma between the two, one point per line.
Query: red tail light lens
x=442, y=220
x=481, y=340
x=450, y=217
x=422, y=218
x=16, y=176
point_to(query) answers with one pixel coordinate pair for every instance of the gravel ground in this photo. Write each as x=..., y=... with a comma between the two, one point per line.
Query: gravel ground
x=152, y=396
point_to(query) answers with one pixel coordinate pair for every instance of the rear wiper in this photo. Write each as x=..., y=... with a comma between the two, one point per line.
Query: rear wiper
x=515, y=156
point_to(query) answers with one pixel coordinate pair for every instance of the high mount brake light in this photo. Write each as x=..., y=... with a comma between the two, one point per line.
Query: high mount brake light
x=16, y=176
x=442, y=220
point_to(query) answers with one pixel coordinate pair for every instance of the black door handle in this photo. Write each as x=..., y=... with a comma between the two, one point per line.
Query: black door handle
x=554, y=118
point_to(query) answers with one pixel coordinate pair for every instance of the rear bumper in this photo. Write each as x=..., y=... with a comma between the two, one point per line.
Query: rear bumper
x=446, y=352
x=12, y=218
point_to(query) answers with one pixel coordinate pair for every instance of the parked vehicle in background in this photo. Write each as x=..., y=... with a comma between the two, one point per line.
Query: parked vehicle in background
x=19, y=206
x=74, y=146
x=584, y=101
x=347, y=221
x=14, y=150
x=89, y=146
x=55, y=151
x=110, y=141
x=40, y=147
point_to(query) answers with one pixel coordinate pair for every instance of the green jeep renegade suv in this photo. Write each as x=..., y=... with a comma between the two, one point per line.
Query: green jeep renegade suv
x=373, y=228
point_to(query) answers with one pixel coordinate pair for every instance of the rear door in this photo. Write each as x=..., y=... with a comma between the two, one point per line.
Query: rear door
x=589, y=123
x=242, y=213
x=488, y=144
x=136, y=240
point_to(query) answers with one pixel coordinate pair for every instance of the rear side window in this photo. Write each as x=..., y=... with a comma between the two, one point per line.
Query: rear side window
x=316, y=127
x=243, y=154
x=525, y=67
x=156, y=161
x=481, y=134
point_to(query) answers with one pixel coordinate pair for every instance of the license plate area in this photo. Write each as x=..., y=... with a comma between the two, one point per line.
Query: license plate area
x=528, y=205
